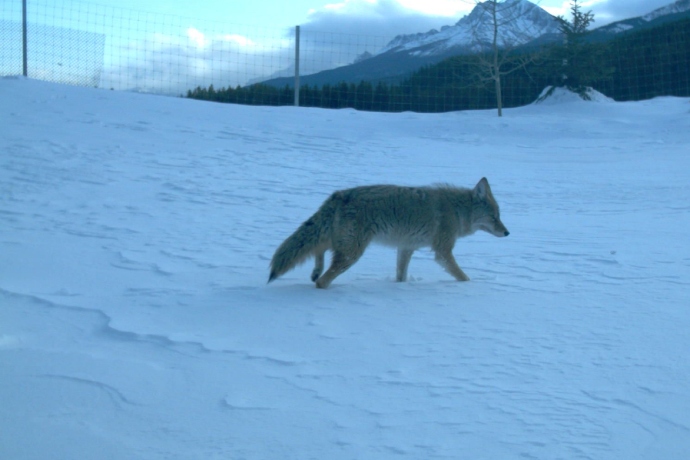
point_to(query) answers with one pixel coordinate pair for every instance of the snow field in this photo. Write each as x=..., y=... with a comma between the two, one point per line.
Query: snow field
x=135, y=319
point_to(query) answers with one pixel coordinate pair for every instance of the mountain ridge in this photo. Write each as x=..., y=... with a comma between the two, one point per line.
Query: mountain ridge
x=405, y=54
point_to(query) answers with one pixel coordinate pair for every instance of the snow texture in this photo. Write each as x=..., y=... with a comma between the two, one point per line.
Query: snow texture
x=136, y=322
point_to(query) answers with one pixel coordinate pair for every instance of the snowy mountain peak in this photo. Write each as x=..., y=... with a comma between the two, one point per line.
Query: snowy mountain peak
x=678, y=7
x=519, y=21
x=403, y=40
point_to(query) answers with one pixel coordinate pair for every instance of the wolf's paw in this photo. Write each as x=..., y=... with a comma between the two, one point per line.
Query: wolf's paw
x=321, y=284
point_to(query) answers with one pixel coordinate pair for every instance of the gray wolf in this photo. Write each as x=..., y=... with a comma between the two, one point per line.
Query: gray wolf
x=408, y=218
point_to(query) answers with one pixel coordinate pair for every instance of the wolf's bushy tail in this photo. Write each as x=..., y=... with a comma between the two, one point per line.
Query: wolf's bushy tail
x=313, y=236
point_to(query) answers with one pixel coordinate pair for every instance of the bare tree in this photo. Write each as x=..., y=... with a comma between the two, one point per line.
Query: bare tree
x=498, y=29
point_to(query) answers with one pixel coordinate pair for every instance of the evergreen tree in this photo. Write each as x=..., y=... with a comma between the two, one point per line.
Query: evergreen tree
x=583, y=63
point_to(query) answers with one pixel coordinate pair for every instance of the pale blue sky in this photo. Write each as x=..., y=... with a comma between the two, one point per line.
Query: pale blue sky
x=344, y=14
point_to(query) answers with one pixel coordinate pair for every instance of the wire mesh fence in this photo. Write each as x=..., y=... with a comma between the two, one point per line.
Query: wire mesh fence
x=80, y=43
x=117, y=48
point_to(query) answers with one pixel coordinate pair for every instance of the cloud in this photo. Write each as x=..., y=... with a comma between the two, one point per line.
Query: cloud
x=338, y=33
x=174, y=62
x=385, y=18
x=182, y=58
x=197, y=37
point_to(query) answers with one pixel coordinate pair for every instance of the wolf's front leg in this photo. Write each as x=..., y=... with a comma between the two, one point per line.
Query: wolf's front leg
x=404, y=256
x=445, y=258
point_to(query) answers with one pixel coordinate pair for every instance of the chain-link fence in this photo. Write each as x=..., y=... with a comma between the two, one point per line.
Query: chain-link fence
x=80, y=43
x=116, y=48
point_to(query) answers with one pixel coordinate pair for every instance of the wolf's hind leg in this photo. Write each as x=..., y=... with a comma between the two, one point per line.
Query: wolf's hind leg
x=445, y=258
x=342, y=260
x=318, y=265
x=404, y=256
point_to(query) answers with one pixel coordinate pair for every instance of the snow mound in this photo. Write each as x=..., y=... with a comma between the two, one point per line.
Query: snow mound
x=559, y=95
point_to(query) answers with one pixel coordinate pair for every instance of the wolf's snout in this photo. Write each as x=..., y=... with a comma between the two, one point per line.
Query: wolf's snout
x=506, y=233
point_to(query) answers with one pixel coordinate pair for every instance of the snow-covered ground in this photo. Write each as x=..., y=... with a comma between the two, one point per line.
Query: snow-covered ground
x=136, y=322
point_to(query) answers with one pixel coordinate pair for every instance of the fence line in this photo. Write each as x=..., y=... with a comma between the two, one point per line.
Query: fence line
x=25, y=70
x=109, y=47
x=80, y=43
x=297, y=59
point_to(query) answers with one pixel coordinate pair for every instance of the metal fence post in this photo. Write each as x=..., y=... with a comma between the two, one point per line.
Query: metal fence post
x=24, y=60
x=297, y=39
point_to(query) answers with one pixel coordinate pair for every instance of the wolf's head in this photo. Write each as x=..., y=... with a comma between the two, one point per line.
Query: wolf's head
x=485, y=212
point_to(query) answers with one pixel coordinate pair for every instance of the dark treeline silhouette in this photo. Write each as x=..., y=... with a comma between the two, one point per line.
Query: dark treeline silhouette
x=642, y=65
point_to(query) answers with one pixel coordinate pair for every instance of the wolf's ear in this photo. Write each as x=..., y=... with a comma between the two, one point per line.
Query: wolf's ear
x=482, y=188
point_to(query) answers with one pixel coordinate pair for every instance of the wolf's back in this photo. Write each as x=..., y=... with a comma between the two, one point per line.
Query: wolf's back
x=314, y=235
